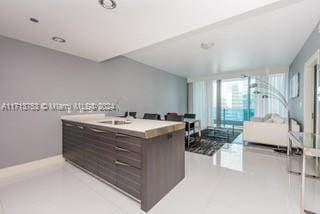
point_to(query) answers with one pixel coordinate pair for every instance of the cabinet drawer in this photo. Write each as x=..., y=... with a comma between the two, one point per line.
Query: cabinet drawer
x=73, y=135
x=107, y=173
x=100, y=156
x=128, y=157
x=75, y=158
x=90, y=165
x=130, y=143
x=128, y=178
x=98, y=149
x=73, y=149
x=131, y=173
x=76, y=140
x=73, y=127
x=99, y=133
x=71, y=154
x=129, y=190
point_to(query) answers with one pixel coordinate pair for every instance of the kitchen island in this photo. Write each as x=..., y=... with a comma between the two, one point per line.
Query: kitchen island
x=141, y=158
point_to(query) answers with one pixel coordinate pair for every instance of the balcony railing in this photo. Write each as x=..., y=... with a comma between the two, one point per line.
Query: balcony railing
x=235, y=116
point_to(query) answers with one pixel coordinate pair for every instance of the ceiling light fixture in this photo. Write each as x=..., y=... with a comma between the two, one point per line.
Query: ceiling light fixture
x=58, y=39
x=108, y=4
x=34, y=20
x=207, y=46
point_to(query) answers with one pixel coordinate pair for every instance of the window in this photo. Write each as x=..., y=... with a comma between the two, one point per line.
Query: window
x=237, y=102
x=234, y=101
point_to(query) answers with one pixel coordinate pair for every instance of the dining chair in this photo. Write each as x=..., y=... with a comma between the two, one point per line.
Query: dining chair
x=149, y=116
x=190, y=116
x=170, y=113
x=132, y=114
x=173, y=117
x=190, y=128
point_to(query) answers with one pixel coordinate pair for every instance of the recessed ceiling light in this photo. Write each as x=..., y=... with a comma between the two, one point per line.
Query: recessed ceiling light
x=34, y=20
x=58, y=39
x=108, y=4
x=207, y=46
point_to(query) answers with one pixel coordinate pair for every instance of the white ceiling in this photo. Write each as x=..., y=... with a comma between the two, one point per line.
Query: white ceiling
x=265, y=40
x=96, y=33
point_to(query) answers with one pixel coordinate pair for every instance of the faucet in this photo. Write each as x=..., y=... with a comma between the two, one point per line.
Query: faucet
x=129, y=118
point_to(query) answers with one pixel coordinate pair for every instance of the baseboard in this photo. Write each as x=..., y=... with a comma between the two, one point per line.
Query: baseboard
x=30, y=166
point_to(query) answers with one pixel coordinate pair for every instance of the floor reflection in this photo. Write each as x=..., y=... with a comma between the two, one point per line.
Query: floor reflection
x=230, y=156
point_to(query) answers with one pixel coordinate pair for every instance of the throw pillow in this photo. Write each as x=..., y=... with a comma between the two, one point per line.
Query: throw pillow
x=278, y=120
x=267, y=117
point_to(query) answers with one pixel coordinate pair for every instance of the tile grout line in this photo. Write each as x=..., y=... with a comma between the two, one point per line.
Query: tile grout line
x=218, y=187
x=283, y=167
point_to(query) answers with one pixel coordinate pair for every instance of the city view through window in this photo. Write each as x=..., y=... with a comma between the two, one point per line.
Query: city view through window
x=226, y=102
x=234, y=102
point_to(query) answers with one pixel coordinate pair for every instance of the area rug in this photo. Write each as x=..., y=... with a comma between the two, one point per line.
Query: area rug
x=211, y=142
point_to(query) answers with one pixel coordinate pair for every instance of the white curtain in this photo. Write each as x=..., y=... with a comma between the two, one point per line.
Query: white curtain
x=204, y=96
x=203, y=102
x=271, y=105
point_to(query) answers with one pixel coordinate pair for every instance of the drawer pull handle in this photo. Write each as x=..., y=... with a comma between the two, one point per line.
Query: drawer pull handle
x=121, y=149
x=67, y=124
x=120, y=135
x=80, y=127
x=121, y=163
x=97, y=131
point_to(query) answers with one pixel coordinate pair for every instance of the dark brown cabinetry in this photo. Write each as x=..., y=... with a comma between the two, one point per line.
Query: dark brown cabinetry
x=146, y=169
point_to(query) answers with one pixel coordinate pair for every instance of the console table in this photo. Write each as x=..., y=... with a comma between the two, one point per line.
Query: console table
x=310, y=145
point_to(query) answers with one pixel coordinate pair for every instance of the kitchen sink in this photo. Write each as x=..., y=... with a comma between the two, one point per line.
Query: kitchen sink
x=115, y=122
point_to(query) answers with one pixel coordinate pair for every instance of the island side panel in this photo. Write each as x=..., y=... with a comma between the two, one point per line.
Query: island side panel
x=163, y=167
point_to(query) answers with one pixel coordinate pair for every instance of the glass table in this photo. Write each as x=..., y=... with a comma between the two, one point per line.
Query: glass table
x=310, y=145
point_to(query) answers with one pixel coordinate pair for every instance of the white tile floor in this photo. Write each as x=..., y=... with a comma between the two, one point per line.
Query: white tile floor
x=236, y=180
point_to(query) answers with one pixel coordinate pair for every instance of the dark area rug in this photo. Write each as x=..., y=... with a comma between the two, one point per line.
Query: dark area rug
x=211, y=141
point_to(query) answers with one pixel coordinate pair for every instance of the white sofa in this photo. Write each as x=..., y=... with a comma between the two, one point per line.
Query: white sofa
x=269, y=130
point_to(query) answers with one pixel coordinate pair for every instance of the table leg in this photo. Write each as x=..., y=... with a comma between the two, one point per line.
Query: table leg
x=317, y=167
x=288, y=154
x=188, y=135
x=199, y=129
x=303, y=182
x=232, y=130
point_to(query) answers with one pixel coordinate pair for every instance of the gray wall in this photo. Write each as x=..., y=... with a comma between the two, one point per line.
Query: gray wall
x=190, y=97
x=29, y=73
x=309, y=48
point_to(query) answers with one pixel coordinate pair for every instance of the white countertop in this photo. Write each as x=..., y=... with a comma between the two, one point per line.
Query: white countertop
x=138, y=127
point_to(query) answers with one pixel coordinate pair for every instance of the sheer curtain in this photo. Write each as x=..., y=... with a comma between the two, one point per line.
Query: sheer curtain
x=204, y=99
x=270, y=105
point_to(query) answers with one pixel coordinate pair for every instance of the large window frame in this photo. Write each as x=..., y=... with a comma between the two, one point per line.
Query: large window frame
x=211, y=102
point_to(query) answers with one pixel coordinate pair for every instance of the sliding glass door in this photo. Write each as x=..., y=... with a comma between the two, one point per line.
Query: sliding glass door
x=229, y=102
x=234, y=101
